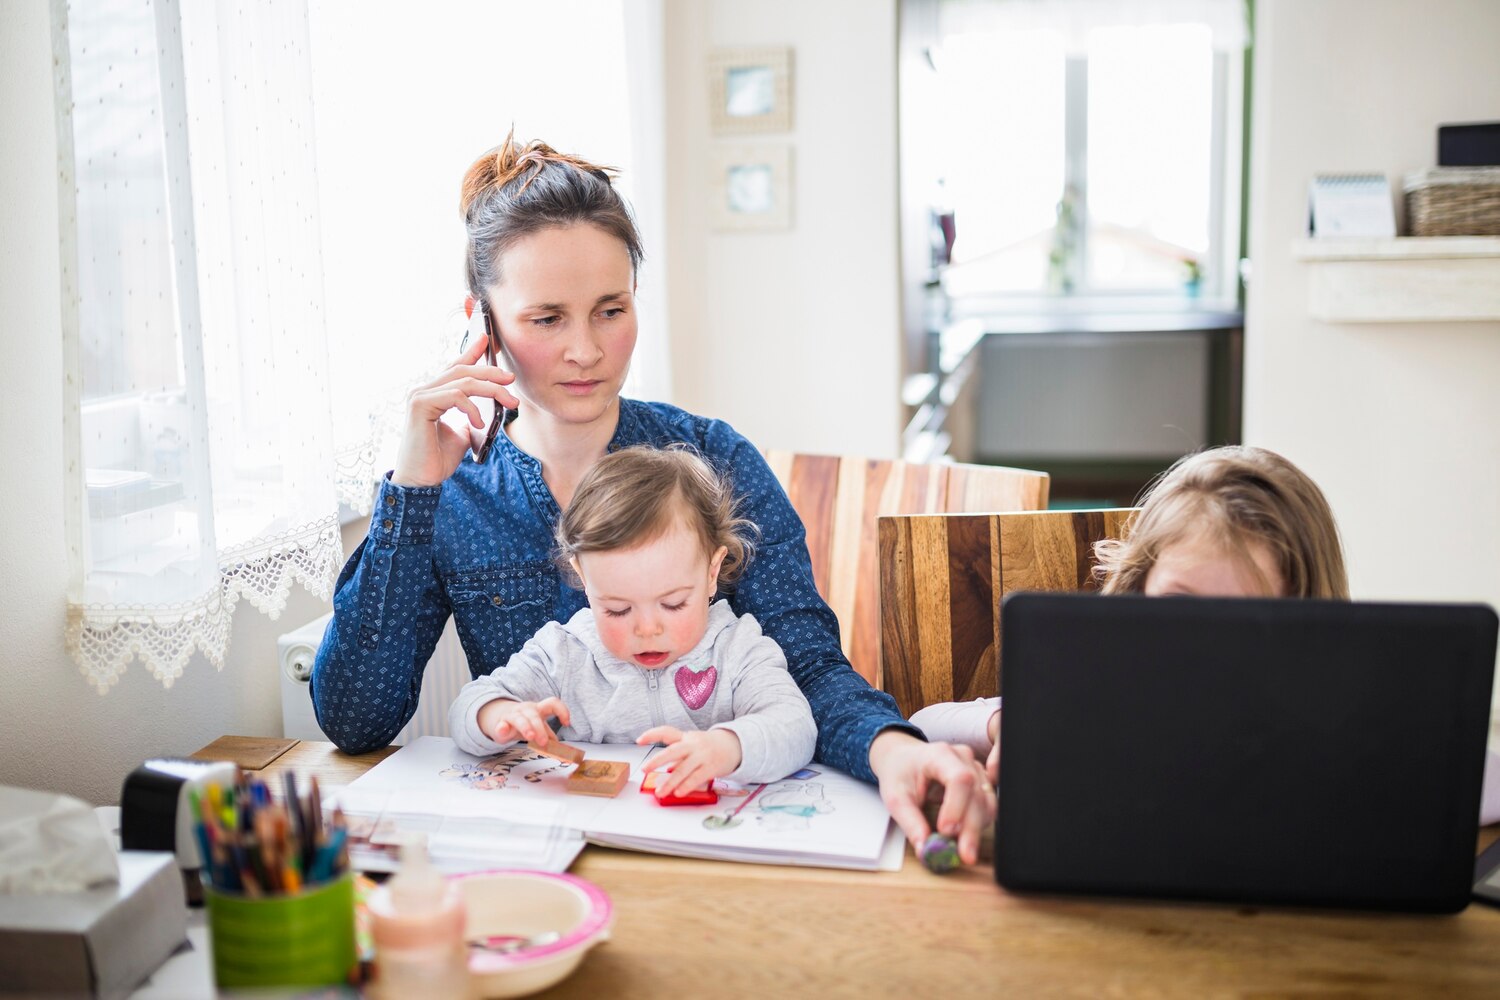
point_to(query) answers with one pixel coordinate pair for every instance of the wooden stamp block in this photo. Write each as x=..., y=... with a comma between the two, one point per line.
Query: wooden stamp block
x=559, y=751
x=599, y=777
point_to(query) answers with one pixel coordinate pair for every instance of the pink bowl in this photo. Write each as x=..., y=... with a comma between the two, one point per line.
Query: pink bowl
x=519, y=903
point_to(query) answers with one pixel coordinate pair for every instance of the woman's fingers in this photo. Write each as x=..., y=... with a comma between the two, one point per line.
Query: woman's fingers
x=903, y=805
x=430, y=449
x=491, y=374
x=472, y=352
x=430, y=402
x=978, y=814
x=992, y=765
x=907, y=768
x=968, y=799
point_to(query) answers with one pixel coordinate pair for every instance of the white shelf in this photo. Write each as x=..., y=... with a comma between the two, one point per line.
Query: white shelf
x=1403, y=280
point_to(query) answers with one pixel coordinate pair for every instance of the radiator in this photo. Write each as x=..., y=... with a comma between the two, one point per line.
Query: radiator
x=447, y=671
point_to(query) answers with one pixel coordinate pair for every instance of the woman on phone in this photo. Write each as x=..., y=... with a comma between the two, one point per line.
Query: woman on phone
x=463, y=525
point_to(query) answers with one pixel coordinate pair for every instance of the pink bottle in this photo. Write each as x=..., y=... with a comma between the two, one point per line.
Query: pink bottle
x=417, y=923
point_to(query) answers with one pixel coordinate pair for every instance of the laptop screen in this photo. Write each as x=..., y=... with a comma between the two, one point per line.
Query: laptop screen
x=1290, y=751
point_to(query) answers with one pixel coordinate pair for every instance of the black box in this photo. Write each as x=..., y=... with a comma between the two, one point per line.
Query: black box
x=1476, y=144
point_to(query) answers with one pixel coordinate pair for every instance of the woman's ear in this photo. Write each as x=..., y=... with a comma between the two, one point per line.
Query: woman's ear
x=578, y=572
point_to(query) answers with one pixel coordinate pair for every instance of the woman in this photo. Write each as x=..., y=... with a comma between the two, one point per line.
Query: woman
x=552, y=258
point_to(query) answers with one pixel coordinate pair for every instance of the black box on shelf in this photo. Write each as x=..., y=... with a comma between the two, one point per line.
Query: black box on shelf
x=1474, y=144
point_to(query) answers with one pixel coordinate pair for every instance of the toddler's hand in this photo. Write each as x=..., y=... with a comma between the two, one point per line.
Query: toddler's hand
x=695, y=758
x=505, y=721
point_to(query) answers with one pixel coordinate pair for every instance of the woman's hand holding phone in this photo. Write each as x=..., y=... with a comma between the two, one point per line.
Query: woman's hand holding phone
x=431, y=449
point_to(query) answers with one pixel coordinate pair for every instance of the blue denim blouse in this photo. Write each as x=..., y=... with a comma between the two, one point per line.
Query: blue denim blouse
x=479, y=548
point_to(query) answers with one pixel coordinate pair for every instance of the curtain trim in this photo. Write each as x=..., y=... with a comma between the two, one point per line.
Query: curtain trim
x=104, y=638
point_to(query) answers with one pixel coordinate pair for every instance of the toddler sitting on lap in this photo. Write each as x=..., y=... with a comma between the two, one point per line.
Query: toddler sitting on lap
x=650, y=535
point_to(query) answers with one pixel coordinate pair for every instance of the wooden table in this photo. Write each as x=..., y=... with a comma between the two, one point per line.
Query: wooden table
x=705, y=928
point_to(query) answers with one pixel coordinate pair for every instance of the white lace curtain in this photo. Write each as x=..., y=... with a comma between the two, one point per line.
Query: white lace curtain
x=210, y=439
x=200, y=453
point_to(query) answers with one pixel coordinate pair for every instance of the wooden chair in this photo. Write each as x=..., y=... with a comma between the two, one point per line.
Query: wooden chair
x=839, y=499
x=941, y=583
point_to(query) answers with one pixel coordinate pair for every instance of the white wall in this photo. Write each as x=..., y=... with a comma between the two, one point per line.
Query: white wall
x=793, y=337
x=1400, y=423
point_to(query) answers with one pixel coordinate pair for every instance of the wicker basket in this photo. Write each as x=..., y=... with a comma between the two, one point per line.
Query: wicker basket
x=1454, y=201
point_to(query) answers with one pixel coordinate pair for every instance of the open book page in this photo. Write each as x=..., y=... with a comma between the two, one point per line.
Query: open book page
x=818, y=816
x=477, y=813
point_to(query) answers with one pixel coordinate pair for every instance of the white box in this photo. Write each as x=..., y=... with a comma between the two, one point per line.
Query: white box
x=100, y=942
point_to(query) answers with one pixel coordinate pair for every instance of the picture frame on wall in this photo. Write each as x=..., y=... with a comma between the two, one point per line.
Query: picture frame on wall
x=750, y=90
x=750, y=187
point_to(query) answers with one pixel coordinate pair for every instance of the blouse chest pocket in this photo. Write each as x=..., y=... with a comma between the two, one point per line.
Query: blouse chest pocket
x=496, y=609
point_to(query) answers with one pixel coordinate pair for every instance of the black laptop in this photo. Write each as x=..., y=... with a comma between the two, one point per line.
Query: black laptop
x=1304, y=752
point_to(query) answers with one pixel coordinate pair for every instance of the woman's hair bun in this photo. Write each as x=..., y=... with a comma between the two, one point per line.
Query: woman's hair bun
x=497, y=168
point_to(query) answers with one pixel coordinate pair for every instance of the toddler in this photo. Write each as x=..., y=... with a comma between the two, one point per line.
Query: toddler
x=650, y=536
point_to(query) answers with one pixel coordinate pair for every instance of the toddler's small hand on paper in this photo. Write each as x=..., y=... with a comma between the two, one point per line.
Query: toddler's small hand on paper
x=693, y=759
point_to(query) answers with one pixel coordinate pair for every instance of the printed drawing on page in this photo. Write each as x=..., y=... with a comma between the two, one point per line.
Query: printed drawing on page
x=495, y=772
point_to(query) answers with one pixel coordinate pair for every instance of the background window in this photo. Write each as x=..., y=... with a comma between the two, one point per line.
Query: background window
x=1096, y=163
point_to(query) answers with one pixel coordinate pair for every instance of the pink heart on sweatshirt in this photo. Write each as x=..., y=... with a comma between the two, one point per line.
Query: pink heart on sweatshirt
x=695, y=686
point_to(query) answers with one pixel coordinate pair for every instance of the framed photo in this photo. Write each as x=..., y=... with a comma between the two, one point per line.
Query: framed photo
x=751, y=187
x=750, y=90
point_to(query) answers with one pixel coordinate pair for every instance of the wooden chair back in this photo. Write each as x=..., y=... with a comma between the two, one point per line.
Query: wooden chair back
x=839, y=499
x=941, y=583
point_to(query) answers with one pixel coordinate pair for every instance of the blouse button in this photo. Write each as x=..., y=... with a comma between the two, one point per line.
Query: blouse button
x=496, y=600
x=387, y=524
x=390, y=501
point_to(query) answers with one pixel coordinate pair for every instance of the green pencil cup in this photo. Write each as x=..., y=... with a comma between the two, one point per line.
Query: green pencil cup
x=306, y=939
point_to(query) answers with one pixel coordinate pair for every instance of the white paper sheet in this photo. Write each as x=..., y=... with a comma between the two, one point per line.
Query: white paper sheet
x=819, y=817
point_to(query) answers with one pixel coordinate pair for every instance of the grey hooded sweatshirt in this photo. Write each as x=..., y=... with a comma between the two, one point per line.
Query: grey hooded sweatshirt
x=749, y=692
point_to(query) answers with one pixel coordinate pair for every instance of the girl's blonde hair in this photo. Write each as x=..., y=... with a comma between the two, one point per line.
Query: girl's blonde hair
x=1233, y=496
x=638, y=494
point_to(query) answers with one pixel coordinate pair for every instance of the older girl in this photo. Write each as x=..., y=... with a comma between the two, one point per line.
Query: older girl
x=1227, y=522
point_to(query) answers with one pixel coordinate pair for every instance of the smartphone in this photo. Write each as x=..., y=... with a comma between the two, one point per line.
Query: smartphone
x=482, y=439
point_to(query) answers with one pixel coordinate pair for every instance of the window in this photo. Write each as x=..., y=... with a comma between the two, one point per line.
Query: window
x=1093, y=162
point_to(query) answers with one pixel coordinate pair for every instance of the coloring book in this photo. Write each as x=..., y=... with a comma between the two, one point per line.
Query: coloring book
x=514, y=803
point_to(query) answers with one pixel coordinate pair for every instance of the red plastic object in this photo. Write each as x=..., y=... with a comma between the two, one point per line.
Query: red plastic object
x=697, y=797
